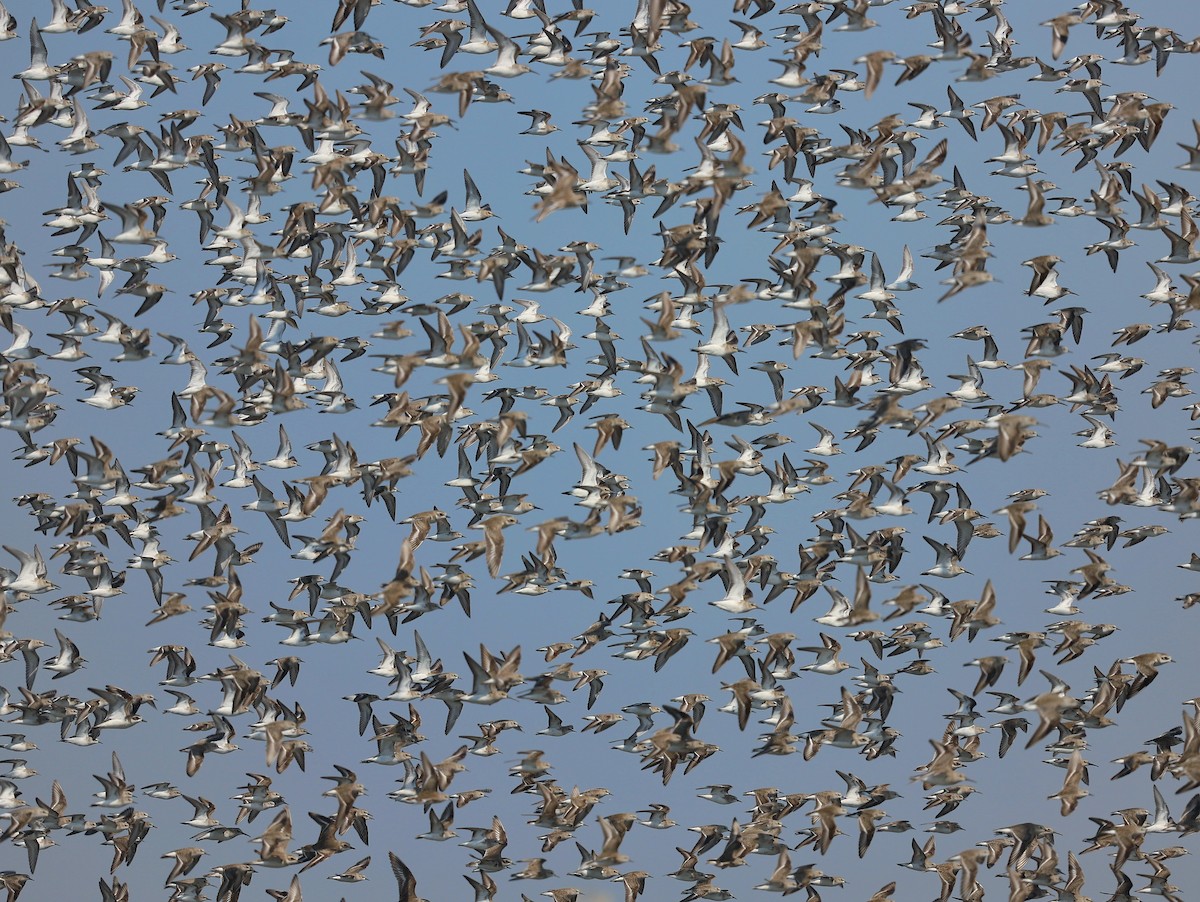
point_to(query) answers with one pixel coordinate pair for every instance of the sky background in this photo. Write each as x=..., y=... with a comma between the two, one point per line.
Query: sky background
x=487, y=143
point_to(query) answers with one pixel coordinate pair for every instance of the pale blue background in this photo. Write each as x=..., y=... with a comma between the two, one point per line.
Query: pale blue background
x=487, y=143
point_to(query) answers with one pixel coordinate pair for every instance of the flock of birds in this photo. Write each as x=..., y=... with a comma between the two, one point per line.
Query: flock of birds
x=327, y=210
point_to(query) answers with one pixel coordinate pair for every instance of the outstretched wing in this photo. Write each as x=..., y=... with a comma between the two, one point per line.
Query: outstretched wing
x=405, y=880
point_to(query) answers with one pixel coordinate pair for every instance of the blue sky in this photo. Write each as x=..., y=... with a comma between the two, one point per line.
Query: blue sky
x=486, y=141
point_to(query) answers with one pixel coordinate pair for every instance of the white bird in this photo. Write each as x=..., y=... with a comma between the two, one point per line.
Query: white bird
x=825, y=447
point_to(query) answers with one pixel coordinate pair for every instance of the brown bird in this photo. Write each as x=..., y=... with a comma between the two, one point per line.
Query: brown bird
x=493, y=540
x=405, y=881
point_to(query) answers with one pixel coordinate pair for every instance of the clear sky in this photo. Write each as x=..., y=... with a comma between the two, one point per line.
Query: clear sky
x=487, y=141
